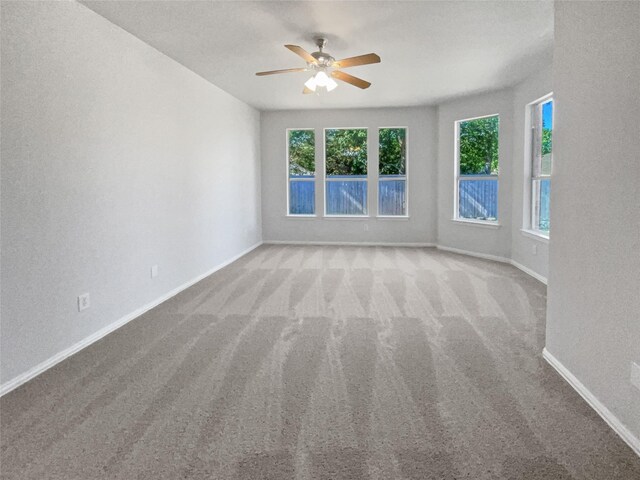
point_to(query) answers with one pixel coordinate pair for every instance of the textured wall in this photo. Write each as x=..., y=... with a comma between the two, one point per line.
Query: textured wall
x=522, y=245
x=593, y=317
x=418, y=228
x=114, y=158
x=475, y=238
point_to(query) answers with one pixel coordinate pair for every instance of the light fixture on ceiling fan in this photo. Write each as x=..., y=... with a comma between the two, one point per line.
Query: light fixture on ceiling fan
x=325, y=68
x=320, y=79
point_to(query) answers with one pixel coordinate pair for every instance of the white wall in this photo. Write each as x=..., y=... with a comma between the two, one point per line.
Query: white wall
x=420, y=227
x=483, y=239
x=114, y=158
x=523, y=245
x=593, y=316
x=431, y=177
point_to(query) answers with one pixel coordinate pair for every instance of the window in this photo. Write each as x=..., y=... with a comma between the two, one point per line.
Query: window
x=477, y=169
x=392, y=171
x=301, y=171
x=346, y=171
x=541, y=163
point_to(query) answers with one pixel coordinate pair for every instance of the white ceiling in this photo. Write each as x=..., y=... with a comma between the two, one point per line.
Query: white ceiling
x=431, y=51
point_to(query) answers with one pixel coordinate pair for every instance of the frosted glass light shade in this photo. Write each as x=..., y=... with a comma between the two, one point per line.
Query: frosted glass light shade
x=322, y=79
x=311, y=84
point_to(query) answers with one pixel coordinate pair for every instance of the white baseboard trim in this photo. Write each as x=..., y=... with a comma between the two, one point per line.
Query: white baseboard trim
x=469, y=253
x=485, y=256
x=617, y=426
x=348, y=244
x=85, y=342
x=40, y=368
x=528, y=271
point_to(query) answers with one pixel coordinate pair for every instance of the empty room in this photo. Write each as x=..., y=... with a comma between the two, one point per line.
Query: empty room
x=320, y=240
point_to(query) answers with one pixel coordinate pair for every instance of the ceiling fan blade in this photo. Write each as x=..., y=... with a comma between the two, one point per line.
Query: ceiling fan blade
x=302, y=52
x=355, y=81
x=307, y=91
x=287, y=70
x=355, y=61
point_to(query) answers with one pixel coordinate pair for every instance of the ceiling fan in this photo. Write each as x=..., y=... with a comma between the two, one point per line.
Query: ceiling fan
x=325, y=68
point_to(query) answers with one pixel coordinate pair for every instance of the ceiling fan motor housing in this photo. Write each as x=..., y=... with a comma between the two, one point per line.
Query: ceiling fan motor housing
x=323, y=58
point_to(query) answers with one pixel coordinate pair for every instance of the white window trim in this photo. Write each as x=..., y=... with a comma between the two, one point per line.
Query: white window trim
x=406, y=175
x=326, y=179
x=477, y=223
x=347, y=217
x=456, y=175
x=535, y=234
x=393, y=217
x=528, y=201
x=288, y=180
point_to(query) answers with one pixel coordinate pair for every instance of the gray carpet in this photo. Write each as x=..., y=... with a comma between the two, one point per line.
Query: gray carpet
x=320, y=363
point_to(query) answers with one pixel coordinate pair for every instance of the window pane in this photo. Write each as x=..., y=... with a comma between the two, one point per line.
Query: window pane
x=392, y=151
x=541, y=192
x=478, y=199
x=392, y=168
x=302, y=159
x=302, y=166
x=478, y=140
x=346, y=158
x=547, y=138
x=346, y=151
x=391, y=194
x=302, y=196
x=347, y=197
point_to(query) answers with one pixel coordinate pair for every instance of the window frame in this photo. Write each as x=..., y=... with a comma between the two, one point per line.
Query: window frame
x=326, y=180
x=406, y=175
x=457, y=176
x=288, y=178
x=531, y=176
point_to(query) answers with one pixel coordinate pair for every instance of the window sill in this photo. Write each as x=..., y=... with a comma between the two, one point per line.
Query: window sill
x=535, y=234
x=393, y=217
x=301, y=216
x=477, y=223
x=346, y=217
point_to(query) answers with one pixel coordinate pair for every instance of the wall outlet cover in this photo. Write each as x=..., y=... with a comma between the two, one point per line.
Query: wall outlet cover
x=84, y=302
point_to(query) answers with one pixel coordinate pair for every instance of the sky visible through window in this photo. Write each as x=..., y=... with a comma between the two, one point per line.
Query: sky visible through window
x=547, y=115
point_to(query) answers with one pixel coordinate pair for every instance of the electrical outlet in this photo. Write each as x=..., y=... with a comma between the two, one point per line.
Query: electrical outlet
x=84, y=302
x=635, y=375
x=154, y=271
x=534, y=249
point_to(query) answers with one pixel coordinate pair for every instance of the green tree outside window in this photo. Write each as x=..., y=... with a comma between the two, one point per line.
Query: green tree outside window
x=302, y=159
x=346, y=151
x=393, y=151
x=479, y=146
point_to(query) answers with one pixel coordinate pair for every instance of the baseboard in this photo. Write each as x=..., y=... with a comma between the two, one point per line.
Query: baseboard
x=485, y=256
x=85, y=342
x=40, y=368
x=617, y=426
x=469, y=253
x=349, y=244
x=528, y=271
